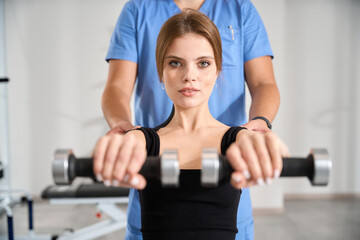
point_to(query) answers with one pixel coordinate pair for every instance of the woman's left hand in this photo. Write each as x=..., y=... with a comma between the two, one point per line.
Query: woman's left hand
x=256, y=158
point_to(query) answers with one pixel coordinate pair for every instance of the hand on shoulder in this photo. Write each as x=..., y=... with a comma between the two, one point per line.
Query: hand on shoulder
x=121, y=128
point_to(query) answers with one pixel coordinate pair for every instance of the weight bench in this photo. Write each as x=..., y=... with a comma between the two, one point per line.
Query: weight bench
x=105, y=199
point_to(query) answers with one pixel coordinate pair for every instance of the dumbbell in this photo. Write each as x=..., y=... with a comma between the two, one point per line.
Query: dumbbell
x=316, y=167
x=66, y=167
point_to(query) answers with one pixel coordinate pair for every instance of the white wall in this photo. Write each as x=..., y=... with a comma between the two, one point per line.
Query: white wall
x=319, y=81
x=55, y=58
x=326, y=65
x=357, y=89
x=55, y=53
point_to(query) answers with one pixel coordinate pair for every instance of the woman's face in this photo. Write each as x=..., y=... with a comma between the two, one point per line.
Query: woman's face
x=190, y=71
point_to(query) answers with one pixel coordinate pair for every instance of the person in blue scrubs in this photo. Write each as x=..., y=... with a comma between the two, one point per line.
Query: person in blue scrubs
x=247, y=57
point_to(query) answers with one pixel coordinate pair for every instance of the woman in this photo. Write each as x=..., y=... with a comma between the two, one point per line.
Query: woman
x=189, y=60
x=247, y=58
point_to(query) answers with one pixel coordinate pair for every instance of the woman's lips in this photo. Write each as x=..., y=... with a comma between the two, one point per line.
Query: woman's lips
x=188, y=92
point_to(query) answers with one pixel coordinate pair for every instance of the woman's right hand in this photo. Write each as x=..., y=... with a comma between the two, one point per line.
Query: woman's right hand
x=118, y=159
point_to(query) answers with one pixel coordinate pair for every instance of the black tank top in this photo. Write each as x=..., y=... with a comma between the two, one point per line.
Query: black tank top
x=190, y=211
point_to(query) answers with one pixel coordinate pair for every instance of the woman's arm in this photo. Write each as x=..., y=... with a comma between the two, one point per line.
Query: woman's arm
x=118, y=159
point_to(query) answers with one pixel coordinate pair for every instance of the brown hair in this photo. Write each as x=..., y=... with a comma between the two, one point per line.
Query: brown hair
x=188, y=21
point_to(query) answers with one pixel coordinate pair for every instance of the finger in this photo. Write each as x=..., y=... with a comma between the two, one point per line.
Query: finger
x=124, y=157
x=238, y=180
x=236, y=160
x=137, y=181
x=250, y=183
x=264, y=157
x=110, y=157
x=123, y=184
x=98, y=156
x=137, y=159
x=273, y=146
x=249, y=155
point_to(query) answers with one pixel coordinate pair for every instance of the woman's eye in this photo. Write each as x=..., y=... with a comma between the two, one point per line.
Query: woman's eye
x=204, y=64
x=175, y=64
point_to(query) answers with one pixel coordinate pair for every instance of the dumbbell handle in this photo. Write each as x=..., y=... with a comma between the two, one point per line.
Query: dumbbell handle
x=316, y=167
x=292, y=167
x=66, y=167
x=83, y=167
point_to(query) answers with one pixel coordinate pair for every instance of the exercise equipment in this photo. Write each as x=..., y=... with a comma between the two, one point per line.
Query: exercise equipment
x=66, y=167
x=316, y=167
x=6, y=206
x=1, y=170
x=9, y=196
x=106, y=200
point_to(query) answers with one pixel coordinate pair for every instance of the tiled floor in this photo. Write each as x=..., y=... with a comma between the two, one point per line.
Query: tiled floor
x=302, y=219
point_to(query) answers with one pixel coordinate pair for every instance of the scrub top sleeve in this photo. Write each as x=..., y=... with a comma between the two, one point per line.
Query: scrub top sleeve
x=256, y=42
x=123, y=40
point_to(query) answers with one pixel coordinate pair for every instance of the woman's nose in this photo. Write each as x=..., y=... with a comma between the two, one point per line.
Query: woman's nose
x=189, y=74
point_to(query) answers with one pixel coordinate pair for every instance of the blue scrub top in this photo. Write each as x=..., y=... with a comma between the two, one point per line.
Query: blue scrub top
x=243, y=37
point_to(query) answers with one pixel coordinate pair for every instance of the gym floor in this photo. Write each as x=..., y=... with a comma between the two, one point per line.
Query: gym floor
x=301, y=219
